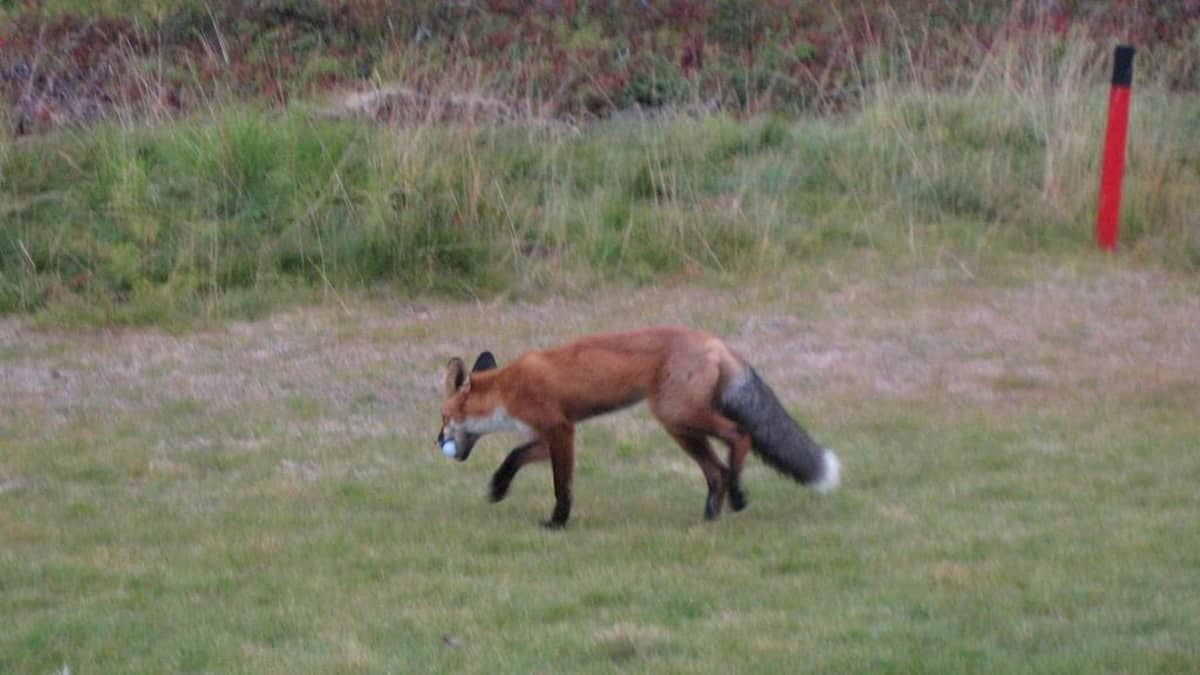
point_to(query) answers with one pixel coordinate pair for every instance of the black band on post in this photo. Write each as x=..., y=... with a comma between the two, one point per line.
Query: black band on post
x=1123, y=66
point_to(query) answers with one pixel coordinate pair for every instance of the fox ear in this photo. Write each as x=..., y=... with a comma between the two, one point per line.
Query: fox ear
x=456, y=374
x=485, y=362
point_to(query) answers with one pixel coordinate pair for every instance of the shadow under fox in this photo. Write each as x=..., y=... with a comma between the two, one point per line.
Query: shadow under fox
x=696, y=386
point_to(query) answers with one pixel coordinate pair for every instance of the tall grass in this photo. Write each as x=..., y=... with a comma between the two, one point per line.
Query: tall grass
x=141, y=222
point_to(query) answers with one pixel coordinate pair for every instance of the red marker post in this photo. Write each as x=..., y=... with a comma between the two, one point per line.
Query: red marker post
x=1109, y=214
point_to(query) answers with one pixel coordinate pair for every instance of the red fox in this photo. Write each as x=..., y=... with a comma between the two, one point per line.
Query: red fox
x=696, y=385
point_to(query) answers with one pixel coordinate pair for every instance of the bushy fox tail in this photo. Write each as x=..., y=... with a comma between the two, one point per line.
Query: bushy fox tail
x=777, y=438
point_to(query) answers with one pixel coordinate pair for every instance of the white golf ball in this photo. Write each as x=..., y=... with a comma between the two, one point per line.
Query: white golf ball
x=449, y=449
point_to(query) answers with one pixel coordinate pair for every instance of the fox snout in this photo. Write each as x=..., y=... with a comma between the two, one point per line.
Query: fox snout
x=456, y=446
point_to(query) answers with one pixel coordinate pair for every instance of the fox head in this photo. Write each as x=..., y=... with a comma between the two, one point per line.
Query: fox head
x=456, y=437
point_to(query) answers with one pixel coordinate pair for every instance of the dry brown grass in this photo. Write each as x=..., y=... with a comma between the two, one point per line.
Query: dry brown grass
x=371, y=370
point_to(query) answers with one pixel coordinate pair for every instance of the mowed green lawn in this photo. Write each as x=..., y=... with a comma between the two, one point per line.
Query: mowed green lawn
x=1021, y=455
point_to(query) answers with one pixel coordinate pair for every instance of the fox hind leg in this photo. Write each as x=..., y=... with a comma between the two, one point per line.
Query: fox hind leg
x=739, y=446
x=698, y=447
x=719, y=426
x=737, y=459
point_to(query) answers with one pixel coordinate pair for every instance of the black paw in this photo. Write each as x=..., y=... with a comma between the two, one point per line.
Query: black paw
x=558, y=517
x=738, y=501
x=498, y=492
x=712, y=508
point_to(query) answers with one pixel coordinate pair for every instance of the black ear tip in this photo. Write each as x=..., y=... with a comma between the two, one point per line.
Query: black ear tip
x=486, y=361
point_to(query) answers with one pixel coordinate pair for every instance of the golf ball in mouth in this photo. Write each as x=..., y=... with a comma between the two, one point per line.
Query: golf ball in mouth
x=449, y=449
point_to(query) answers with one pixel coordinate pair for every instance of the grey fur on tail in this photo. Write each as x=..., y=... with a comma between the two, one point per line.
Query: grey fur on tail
x=777, y=438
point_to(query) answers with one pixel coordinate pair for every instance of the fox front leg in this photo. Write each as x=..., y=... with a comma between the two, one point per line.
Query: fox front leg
x=533, y=451
x=561, y=441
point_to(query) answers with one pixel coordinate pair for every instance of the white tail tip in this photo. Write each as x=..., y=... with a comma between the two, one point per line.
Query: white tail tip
x=833, y=473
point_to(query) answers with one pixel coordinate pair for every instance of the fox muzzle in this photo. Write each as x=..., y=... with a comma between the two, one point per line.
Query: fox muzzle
x=456, y=445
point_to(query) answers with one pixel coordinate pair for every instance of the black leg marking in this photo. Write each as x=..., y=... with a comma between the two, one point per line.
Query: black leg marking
x=508, y=470
x=737, y=498
x=739, y=447
x=558, y=519
x=712, y=505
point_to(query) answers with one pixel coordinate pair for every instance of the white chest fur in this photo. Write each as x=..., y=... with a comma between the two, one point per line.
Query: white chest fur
x=499, y=420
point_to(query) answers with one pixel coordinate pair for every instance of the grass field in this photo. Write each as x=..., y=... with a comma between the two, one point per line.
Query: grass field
x=226, y=297
x=1019, y=444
